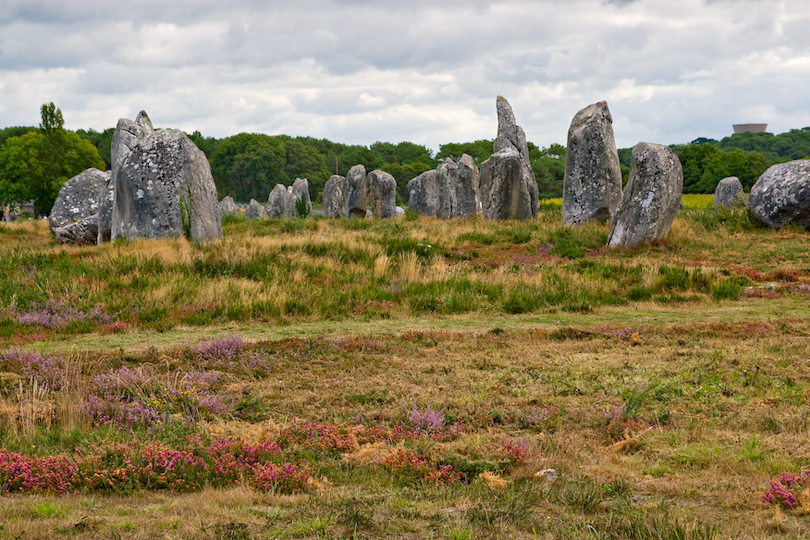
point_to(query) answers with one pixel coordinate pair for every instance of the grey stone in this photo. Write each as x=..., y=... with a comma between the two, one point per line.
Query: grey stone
x=334, y=203
x=355, y=192
x=79, y=198
x=729, y=194
x=164, y=188
x=276, y=202
x=782, y=195
x=446, y=183
x=84, y=231
x=227, y=206
x=400, y=211
x=382, y=194
x=423, y=194
x=508, y=189
x=468, y=200
x=106, y=198
x=592, y=188
x=299, y=189
x=651, y=198
x=127, y=135
x=255, y=210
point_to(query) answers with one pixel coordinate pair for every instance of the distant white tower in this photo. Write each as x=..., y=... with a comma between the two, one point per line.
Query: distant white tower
x=749, y=128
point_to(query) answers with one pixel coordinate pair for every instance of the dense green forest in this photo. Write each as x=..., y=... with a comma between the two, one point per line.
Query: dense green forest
x=36, y=161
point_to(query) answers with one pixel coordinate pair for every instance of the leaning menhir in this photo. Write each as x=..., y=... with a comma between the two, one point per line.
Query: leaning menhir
x=508, y=187
x=651, y=198
x=592, y=189
x=75, y=214
x=782, y=195
x=164, y=188
x=729, y=194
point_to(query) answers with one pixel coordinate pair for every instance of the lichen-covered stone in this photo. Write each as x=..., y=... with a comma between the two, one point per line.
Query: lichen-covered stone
x=255, y=210
x=227, y=206
x=782, y=195
x=334, y=203
x=79, y=199
x=729, y=194
x=276, y=202
x=592, y=186
x=423, y=194
x=355, y=192
x=468, y=203
x=651, y=198
x=164, y=188
x=508, y=188
x=382, y=194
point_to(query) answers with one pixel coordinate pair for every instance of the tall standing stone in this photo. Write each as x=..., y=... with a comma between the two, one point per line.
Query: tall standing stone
x=782, y=195
x=334, y=203
x=468, y=202
x=295, y=193
x=423, y=194
x=651, y=198
x=447, y=184
x=729, y=194
x=127, y=135
x=508, y=187
x=592, y=189
x=74, y=216
x=276, y=202
x=164, y=188
x=382, y=194
x=355, y=192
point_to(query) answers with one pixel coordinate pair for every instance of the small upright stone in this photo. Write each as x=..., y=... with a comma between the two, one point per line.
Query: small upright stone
x=508, y=187
x=297, y=192
x=355, y=192
x=423, y=194
x=729, y=194
x=782, y=195
x=276, y=202
x=227, y=206
x=334, y=203
x=651, y=198
x=468, y=202
x=382, y=189
x=255, y=210
x=74, y=216
x=592, y=188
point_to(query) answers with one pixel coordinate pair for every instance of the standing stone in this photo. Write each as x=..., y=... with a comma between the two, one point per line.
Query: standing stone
x=423, y=194
x=106, y=198
x=382, y=197
x=468, y=203
x=255, y=210
x=74, y=216
x=651, y=198
x=782, y=195
x=334, y=203
x=227, y=206
x=447, y=183
x=508, y=187
x=127, y=135
x=355, y=192
x=729, y=194
x=298, y=190
x=165, y=188
x=276, y=202
x=592, y=188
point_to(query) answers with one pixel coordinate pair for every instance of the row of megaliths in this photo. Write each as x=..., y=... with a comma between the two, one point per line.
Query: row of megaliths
x=160, y=185
x=592, y=191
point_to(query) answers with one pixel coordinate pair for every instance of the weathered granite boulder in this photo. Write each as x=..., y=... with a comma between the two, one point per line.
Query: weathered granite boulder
x=508, y=188
x=729, y=194
x=106, y=198
x=468, y=201
x=592, y=186
x=127, y=135
x=227, y=206
x=782, y=195
x=447, y=184
x=355, y=192
x=255, y=210
x=276, y=202
x=298, y=190
x=651, y=198
x=382, y=194
x=423, y=194
x=164, y=188
x=334, y=203
x=78, y=201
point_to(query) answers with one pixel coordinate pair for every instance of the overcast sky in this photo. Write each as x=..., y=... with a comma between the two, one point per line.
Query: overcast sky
x=428, y=72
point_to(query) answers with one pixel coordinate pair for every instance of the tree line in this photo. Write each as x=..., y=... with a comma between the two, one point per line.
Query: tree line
x=36, y=161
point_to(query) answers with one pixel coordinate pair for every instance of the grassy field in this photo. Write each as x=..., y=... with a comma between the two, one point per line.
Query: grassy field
x=417, y=378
